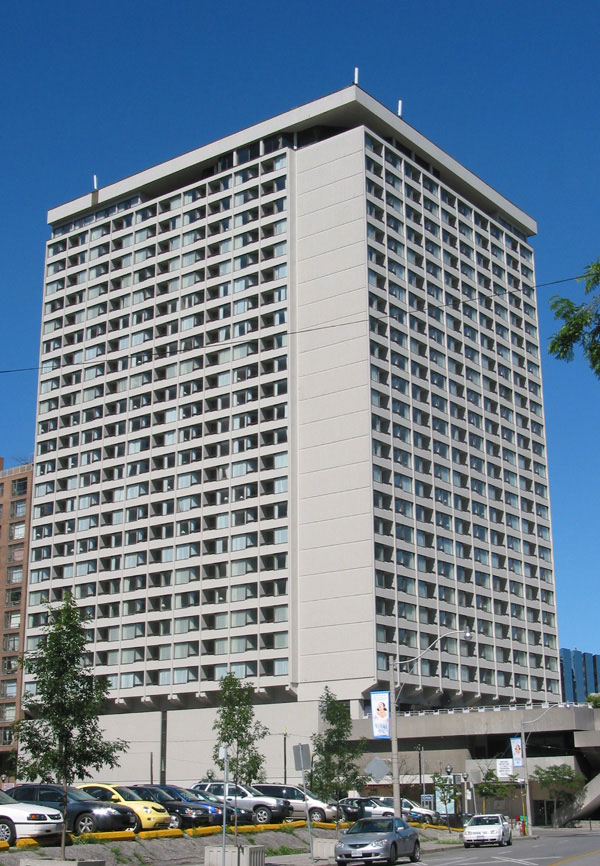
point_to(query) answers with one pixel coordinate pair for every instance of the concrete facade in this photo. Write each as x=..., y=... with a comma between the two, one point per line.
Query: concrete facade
x=290, y=424
x=15, y=529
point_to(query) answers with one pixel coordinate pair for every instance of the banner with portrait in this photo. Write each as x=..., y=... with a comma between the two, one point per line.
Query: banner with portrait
x=380, y=715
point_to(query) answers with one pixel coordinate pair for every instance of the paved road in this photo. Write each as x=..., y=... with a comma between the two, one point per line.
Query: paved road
x=550, y=848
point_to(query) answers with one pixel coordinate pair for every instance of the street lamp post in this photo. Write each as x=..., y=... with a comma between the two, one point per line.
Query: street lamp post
x=395, y=692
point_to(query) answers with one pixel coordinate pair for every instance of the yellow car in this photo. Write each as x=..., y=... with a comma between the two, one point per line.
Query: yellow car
x=149, y=815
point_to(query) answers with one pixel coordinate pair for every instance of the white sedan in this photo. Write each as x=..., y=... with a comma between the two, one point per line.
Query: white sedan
x=493, y=829
x=18, y=820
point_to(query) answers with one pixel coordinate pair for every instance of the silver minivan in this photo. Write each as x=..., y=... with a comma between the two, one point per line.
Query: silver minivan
x=317, y=809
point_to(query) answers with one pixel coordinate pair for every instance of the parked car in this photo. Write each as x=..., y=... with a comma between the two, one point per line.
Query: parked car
x=492, y=829
x=299, y=799
x=18, y=820
x=348, y=812
x=183, y=812
x=84, y=814
x=266, y=809
x=412, y=810
x=368, y=807
x=242, y=816
x=379, y=840
x=149, y=815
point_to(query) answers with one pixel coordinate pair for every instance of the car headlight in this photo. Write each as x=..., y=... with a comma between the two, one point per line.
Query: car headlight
x=105, y=810
x=339, y=844
x=379, y=843
x=37, y=816
x=147, y=810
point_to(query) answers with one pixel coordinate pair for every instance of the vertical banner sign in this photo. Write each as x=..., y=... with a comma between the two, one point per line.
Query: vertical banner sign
x=517, y=751
x=380, y=714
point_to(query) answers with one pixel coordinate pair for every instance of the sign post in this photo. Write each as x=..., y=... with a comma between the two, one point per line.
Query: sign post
x=302, y=762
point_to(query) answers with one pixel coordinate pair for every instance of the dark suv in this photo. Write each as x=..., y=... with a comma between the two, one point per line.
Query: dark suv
x=84, y=813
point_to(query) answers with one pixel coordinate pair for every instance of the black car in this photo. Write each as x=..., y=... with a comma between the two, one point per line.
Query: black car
x=183, y=813
x=84, y=814
x=192, y=796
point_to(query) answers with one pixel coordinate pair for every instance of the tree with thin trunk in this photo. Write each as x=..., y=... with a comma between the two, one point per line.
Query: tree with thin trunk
x=561, y=782
x=60, y=738
x=443, y=786
x=335, y=757
x=491, y=787
x=238, y=730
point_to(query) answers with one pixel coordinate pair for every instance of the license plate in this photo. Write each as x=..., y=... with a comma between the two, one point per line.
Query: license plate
x=356, y=854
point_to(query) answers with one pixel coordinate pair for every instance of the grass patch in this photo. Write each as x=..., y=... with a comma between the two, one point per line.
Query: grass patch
x=283, y=849
x=288, y=830
x=119, y=857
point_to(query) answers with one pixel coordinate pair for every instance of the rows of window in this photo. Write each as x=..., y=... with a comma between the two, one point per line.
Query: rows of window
x=459, y=470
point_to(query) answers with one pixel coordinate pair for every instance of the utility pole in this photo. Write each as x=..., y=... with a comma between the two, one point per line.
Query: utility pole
x=285, y=756
x=394, y=740
x=528, y=815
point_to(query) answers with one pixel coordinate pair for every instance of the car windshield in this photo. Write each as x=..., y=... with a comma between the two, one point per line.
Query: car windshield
x=149, y=793
x=4, y=798
x=484, y=820
x=187, y=794
x=204, y=796
x=76, y=794
x=127, y=793
x=382, y=825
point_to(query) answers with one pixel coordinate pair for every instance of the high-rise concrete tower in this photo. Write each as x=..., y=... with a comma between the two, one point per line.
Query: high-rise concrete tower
x=290, y=424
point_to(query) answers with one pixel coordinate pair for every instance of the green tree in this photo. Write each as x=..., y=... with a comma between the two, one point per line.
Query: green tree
x=581, y=323
x=236, y=728
x=60, y=738
x=594, y=700
x=491, y=786
x=335, y=758
x=561, y=782
x=443, y=786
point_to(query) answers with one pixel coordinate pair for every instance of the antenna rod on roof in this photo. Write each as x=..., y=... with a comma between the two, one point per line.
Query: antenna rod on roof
x=356, y=74
x=95, y=181
x=399, y=108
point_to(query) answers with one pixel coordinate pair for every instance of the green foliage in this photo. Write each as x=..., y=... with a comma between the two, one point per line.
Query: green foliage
x=62, y=740
x=334, y=770
x=236, y=728
x=594, y=700
x=444, y=787
x=560, y=781
x=581, y=323
x=492, y=786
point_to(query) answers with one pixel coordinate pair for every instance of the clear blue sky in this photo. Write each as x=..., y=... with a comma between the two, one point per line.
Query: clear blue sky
x=510, y=89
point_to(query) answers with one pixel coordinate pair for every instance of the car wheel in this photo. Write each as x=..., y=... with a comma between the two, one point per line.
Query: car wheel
x=393, y=854
x=262, y=815
x=85, y=823
x=467, y=844
x=176, y=821
x=7, y=831
x=509, y=840
x=137, y=825
x=317, y=815
x=416, y=853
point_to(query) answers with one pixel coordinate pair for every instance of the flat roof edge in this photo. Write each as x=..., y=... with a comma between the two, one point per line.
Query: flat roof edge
x=322, y=108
